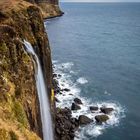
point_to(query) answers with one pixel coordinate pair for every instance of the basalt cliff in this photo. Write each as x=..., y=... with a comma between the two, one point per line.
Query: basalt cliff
x=49, y=8
x=19, y=105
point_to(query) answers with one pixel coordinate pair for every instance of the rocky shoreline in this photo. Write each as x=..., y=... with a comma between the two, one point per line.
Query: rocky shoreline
x=65, y=124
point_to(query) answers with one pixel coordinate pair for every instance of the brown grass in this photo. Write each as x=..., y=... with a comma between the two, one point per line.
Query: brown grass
x=6, y=5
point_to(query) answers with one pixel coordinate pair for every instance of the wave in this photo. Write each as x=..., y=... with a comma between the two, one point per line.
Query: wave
x=82, y=80
x=66, y=98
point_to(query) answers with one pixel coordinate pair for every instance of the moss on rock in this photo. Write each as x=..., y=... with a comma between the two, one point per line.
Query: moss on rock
x=19, y=113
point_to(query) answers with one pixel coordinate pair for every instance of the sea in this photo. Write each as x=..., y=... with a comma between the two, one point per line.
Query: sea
x=96, y=50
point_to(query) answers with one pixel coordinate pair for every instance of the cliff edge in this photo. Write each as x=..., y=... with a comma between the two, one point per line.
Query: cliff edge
x=49, y=8
x=19, y=105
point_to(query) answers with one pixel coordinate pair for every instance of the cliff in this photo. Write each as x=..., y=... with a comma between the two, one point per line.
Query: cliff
x=19, y=105
x=49, y=8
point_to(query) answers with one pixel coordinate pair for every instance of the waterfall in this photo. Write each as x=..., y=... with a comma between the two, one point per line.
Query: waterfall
x=43, y=96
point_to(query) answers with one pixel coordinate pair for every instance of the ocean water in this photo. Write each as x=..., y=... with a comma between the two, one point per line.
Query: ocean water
x=96, y=49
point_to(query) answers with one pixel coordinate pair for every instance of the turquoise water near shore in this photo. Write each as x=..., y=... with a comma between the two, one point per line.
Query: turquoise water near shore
x=99, y=47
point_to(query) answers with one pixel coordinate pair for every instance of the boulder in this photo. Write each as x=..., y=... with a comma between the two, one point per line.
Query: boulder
x=93, y=108
x=57, y=100
x=75, y=107
x=101, y=118
x=66, y=89
x=56, y=91
x=106, y=110
x=65, y=125
x=78, y=101
x=83, y=120
x=75, y=121
x=66, y=111
x=59, y=75
x=54, y=75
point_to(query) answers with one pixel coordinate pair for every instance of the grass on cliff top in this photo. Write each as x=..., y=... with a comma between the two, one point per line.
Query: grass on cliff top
x=6, y=5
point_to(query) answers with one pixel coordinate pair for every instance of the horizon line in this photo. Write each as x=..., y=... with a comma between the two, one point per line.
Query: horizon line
x=99, y=2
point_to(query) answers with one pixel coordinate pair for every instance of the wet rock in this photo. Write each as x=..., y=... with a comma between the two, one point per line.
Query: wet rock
x=72, y=135
x=54, y=75
x=65, y=125
x=75, y=107
x=57, y=100
x=78, y=101
x=83, y=120
x=60, y=93
x=101, y=118
x=106, y=110
x=65, y=137
x=58, y=131
x=57, y=91
x=59, y=75
x=67, y=111
x=93, y=108
x=66, y=89
x=68, y=124
x=75, y=121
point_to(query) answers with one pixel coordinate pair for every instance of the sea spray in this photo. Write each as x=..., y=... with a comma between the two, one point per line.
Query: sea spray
x=66, y=81
x=82, y=80
x=43, y=96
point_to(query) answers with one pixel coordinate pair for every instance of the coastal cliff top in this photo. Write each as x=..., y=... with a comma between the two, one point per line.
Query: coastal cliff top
x=47, y=9
x=8, y=5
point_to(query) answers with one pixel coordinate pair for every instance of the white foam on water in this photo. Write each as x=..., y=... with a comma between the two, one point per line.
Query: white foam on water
x=82, y=80
x=107, y=93
x=65, y=66
x=54, y=61
x=92, y=130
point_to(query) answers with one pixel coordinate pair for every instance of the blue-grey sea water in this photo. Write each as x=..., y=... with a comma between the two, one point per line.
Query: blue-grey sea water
x=102, y=41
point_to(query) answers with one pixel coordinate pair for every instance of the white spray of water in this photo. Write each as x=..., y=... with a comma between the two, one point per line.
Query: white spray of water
x=43, y=97
x=92, y=130
x=82, y=80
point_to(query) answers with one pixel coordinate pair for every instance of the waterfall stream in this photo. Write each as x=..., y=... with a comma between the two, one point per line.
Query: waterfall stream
x=43, y=96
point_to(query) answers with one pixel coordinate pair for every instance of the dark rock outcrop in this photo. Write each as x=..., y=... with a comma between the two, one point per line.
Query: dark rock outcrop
x=83, y=120
x=65, y=89
x=57, y=100
x=101, y=118
x=65, y=124
x=93, y=108
x=75, y=107
x=78, y=101
x=106, y=110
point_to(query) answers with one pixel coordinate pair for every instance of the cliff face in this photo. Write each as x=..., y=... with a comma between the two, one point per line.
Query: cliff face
x=49, y=8
x=19, y=105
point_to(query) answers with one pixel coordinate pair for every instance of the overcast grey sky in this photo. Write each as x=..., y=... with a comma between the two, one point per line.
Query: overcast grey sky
x=100, y=0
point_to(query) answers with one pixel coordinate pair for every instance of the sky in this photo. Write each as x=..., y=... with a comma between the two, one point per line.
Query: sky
x=100, y=0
